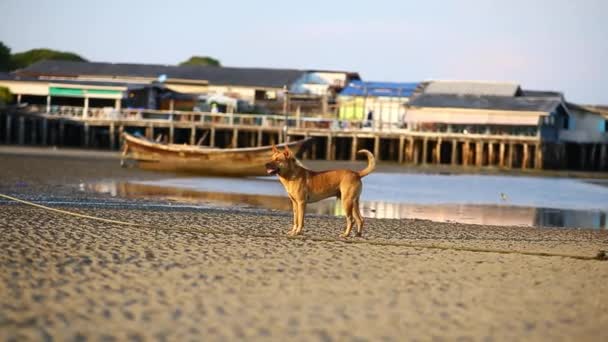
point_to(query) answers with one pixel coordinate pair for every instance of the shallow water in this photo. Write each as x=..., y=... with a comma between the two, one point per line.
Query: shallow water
x=478, y=199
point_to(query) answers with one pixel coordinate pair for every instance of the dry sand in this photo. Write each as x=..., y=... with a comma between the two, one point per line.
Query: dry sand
x=69, y=278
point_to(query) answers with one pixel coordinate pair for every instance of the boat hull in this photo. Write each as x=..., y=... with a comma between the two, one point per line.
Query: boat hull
x=236, y=162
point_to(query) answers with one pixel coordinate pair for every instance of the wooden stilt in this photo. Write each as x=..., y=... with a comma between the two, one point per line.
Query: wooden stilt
x=260, y=137
x=192, y=134
x=353, y=150
x=526, y=157
x=490, y=153
x=592, y=163
x=212, y=137
x=121, y=130
x=171, y=133
x=235, y=138
x=438, y=152
x=479, y=153
x=329, y=148
x=377, y=147
x=501, y=155
x=150, y=132
x=425, y=148
x=603, y=156
x=465, y=153
x=401, y=149
x=409, y=155
x=583, y=157
x=21, y=136
x=86, y=132
x=7, y=136
x=415, y=152
x=454, y=156
x=61, y=132
x=511, y=155
x=538, y=159
x=45, y=131
x=112, y=136
x=34, y=131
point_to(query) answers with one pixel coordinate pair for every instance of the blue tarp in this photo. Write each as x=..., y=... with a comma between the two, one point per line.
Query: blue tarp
x=389, y=89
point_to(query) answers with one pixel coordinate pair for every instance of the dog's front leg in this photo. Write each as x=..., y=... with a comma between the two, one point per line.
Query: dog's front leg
x=294, y=209
x=300, y=216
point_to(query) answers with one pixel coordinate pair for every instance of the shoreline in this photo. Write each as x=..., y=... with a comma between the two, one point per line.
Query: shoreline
x=189, y=273
x=386, y=167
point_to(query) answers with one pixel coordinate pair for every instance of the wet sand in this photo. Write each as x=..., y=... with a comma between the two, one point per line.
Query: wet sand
x=70, y=278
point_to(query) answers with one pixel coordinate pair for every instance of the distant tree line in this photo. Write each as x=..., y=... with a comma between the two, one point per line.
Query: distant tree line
x=9, y=62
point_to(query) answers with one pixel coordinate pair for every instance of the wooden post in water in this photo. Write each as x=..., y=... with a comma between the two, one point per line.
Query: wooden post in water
x=592, y=157
x=192, y=134
x=7, y=136
x=121, y=130
x=61, y=132
x=235, y=138
x=150, y=131
x=538, y=158
x=401, y=149
x=409, y=154
x=511, y=155
x=438, y=151
x=112, y=136
x=465, y=153
x=328, y=148
x=425, y=150
x=501, y=154
x=415, y=153
x=212, y=137
x=45, y=131
x=86, y=134
x=479, y=153
x=583, y=157
x=260, y=136
x=454, y=155
x=21, y=136
x=171, y=133
x=353, y=150
x=34, y=131
x=377, y=147
x=490, y=153
x=603, y=156
x=526, y=157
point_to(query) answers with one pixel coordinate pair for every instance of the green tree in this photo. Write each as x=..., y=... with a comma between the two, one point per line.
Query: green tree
x=201, y=60
x=5, y=57
x=24, y=59
x=5, y=96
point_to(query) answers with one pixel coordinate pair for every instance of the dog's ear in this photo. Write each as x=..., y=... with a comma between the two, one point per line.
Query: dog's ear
x=274, y=148
x=287, y=152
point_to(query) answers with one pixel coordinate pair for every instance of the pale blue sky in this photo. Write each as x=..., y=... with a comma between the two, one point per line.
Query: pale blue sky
x=544, y=44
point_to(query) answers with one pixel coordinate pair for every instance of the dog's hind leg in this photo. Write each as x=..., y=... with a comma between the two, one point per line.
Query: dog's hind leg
x=347, y=205
x=358, y=218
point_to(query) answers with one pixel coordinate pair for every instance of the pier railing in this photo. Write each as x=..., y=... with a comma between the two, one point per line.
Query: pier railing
x=108, y=114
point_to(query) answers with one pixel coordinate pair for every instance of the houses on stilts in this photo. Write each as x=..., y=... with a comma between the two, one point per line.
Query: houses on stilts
x=437, y=122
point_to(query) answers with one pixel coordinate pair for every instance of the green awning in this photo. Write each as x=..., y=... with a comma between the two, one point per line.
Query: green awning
x=78, y=92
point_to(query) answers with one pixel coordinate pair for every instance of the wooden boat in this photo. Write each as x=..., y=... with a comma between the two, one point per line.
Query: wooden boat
x=230, y=162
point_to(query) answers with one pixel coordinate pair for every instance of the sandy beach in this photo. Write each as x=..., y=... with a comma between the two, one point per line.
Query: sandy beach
x=223, y=274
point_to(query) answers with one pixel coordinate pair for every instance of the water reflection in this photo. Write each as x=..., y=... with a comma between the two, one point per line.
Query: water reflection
x=490, y=214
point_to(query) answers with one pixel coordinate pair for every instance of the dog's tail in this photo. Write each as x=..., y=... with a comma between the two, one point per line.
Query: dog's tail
x=371, y=163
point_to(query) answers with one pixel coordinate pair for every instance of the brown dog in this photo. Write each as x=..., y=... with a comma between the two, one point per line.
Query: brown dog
x=307, y=186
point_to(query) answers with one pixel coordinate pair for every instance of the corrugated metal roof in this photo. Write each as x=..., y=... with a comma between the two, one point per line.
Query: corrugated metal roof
x=519, y=103
x=261, y=77
x=388, y=89
x=472, y=88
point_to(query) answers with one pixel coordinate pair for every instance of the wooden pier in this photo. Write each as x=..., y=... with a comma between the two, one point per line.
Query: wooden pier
x=332, y=140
